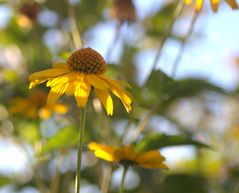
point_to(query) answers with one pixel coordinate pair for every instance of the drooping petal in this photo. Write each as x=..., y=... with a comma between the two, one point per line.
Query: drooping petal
x=60, y=65
x=199, y=4
x=82, y=90
x=125, y=153
x=106, y=100
x=150, y=157
x=122, y=94
x=42, y=76
x=97, y=82
x=233, y=4
x=105, y=152
x=187, y=2
x=55, y=93
x=105, y=155
x=155, y=166
x=214, y=4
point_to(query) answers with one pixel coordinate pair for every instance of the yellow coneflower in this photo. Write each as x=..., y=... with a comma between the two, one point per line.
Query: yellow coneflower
x=35, y=105
x=127, y=155
x=123, y=10
x=84, y=69
x=214, y=4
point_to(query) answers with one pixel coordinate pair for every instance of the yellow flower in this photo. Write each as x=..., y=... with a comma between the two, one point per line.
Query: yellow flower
x=84, y=69
x=214, y=4
x=35, y=105
x=127, y=155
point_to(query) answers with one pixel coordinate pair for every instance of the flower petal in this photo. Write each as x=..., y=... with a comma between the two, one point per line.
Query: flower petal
x=42, y=76
x=122, y=94
x=214, y=5
x=82, y=90
x=105, y=152
x=106, y=100
x=150, y=157
x=55, y=93
x=155, y=166
x=233, y=4
x=96, y=82
x=199, y=4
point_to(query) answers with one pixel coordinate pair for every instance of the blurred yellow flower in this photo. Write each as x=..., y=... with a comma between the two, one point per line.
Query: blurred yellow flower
x=214, y=4
x=127, y=155
x=84, y=69
x=35, y=105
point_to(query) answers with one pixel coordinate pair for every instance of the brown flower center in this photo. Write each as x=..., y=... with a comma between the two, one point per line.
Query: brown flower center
x=88, y=61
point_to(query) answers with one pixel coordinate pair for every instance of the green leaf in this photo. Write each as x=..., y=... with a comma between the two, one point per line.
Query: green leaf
x=65, y=137
x=156, y=141
x=190, y=87
x=162, y=87
x=4, y=181
x=184, y=183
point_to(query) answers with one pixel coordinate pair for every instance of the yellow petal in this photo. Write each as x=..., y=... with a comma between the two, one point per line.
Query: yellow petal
x=106, y=100
x=151, y=156
x=44, y=113
x=199, y=4
x=187, y=2
x=105, y=155
x=105, y=152
x=82, y=91
x=233, y=4
x=97, y=82
x=42, y=76
x=55, y=93
x=122, y=94
x=125, y=153
x=61, y=108
x=155, y=166
x=214, y=5
x=60, y=65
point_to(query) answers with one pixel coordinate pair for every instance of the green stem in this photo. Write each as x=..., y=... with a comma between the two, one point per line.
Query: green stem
x=80, y=145
x=182, y=46
x=121, y=188
x=176, y=14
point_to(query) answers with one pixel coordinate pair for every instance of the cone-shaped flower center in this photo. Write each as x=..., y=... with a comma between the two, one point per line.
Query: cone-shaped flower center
x=88, y=61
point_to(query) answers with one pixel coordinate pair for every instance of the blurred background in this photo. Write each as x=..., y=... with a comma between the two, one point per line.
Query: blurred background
x=191, y=95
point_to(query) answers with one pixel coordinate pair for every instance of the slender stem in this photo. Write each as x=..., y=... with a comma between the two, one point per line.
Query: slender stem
x=121, y=188
x=106, y=178
x=113, y=43
x=80, y=145
x=144, y=122
x=183, y=43
x=176, y=14
x=73, y=24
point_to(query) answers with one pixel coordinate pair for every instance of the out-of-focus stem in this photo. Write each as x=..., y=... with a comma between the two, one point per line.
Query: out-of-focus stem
x=176, y=14
x=121, y=188
x=106, y=178
x=115, y=40
x=183, y=43
x=80, y=145
x=73, y=24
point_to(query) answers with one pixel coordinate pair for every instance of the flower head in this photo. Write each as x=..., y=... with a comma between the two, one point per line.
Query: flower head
x=123, y=10
x=214, y=4
x=35, y=105
x=127, y=155
x=84, y=69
